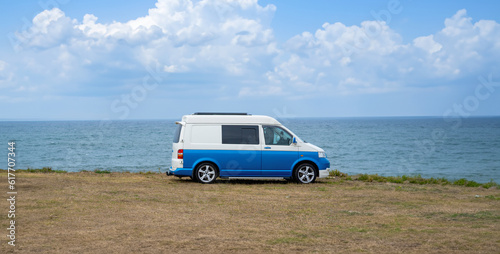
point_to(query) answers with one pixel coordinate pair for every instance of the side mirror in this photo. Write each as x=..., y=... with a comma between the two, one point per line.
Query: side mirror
x=294, y=140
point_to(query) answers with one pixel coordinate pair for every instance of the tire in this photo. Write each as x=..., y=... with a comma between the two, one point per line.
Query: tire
x=305, y=173
x=205, y=173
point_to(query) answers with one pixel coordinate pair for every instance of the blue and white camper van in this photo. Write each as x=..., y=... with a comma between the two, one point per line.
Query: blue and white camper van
x=240, y=145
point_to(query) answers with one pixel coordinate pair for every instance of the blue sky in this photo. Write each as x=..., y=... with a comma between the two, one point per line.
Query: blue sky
x=76, y=60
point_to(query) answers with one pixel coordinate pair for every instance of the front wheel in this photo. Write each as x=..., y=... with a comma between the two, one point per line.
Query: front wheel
x=205, y=173
x=304, y=173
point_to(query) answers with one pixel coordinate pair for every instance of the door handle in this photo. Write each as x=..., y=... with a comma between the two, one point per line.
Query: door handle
x=267, y=147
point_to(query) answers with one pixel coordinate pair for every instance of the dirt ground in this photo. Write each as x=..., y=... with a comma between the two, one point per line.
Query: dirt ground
x=151, y=213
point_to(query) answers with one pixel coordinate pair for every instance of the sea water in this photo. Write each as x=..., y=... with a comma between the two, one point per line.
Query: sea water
x=391, y=146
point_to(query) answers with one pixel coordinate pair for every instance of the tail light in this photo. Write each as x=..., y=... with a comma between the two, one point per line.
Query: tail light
x=180, y=154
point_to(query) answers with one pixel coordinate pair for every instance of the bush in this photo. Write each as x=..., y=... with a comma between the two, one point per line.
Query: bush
x=364, y=177
x=490, y=184
x=335, y=172
x=464, y=182
x=461, y=181
x=97, y=171
x=44, y=170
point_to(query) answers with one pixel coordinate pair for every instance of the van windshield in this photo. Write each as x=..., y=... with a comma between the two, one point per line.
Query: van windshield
x=177, y=133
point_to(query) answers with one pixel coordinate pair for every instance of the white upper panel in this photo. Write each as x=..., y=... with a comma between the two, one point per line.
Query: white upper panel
x=230, y=119
x=206, y=134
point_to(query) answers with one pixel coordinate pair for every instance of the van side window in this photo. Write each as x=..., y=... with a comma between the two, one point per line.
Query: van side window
x=275, y=135
x=177, y=134
x=240, y=134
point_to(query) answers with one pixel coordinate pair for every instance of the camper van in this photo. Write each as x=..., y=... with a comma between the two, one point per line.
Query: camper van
x=239, y=145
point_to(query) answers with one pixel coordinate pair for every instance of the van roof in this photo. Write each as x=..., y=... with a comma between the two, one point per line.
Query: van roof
x=230, y=119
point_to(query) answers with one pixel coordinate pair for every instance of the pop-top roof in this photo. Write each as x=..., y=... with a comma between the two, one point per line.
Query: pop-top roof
x=219, y=114
x=230, y=118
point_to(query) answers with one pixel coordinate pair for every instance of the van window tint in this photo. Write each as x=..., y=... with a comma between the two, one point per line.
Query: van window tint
x=177, y=133
x=275, y=135
x=240, y=134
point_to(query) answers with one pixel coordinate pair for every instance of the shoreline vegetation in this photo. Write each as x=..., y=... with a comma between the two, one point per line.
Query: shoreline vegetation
x=411, y=179
x=102, y=211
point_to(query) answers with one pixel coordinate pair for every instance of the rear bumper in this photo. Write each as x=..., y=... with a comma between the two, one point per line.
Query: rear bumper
x=179, y=172
x=169, y=172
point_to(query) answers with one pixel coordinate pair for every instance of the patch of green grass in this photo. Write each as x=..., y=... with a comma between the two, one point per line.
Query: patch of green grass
x=395, y=179
x=296, y=237
x=465, y=182
x=418, y=179
x=353, y=213
x=335, y=172
x=492, y=197
x=490, y=184
x=43, y=170
x=365, y=178
x=98, y=171
x=461, y=181
x=147, y=173
x=407, y=204
x=485, y=215
x=356, y=229
x=473, y=184
x=284, y=240
x=430, y=215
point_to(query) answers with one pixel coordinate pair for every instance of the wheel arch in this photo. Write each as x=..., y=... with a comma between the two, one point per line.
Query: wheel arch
x=206, y=160
x=302, y=161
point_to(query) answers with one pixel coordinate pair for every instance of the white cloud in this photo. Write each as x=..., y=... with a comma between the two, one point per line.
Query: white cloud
x=327, y=61
x=371, y=58
x=233, y=40
x=427, y=43
x=50, y=28
x=210, y=36
x=458, y=24
x=6, y=74
x=260, y=91
x=3, y=64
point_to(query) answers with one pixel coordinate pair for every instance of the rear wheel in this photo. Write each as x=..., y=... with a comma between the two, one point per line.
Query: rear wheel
x=304, y=173
x=205, y=173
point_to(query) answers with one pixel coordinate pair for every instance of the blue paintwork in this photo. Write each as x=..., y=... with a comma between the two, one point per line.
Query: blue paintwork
x=278, y=163
x=229, y=162
x=321, y=163
x=239, y=163
x=182, y=172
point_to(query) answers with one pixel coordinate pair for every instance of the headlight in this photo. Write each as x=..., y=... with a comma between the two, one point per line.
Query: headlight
x=321, y=154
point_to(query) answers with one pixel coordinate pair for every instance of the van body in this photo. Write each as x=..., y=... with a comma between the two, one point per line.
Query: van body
x=239, y=145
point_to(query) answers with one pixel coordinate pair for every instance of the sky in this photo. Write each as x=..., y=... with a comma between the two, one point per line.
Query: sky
x=118, y=60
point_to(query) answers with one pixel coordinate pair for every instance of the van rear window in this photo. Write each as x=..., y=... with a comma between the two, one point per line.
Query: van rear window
x=177, y=133
x=240, y=134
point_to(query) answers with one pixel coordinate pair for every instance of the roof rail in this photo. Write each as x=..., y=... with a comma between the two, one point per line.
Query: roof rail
x=220, y=114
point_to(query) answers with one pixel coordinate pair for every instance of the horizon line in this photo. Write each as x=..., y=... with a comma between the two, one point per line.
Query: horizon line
x=277, y=117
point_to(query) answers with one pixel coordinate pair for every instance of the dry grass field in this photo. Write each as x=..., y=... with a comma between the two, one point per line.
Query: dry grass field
x=88, y=212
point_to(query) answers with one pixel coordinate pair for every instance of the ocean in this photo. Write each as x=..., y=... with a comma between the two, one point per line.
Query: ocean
x=389, y=146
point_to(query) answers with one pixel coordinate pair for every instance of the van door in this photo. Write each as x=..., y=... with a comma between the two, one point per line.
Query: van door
x=242, y=151
x=278, y=153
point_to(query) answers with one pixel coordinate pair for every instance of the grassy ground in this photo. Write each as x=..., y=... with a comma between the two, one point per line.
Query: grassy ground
x=153, y=213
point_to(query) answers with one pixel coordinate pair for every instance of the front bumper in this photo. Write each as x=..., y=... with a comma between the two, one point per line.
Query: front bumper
x=324, y=173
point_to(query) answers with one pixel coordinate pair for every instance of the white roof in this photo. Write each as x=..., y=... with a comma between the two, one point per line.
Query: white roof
x=230, y=119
